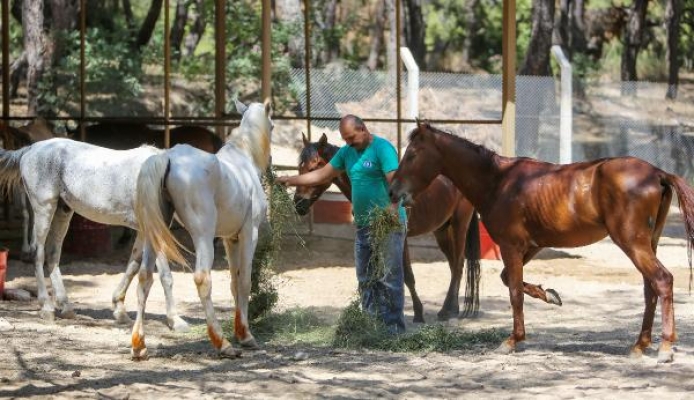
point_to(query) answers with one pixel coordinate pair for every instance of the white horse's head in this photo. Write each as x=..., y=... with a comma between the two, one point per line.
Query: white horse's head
x=254, y=133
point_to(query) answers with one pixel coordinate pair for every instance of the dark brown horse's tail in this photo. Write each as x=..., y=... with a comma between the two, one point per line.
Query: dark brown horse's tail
x=685, y=195
x=471, y=302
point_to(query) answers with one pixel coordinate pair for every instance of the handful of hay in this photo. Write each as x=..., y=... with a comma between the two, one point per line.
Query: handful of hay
x=282, y=216
x=382, y=222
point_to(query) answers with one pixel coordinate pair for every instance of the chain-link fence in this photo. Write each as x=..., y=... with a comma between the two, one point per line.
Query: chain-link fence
x=631, y=118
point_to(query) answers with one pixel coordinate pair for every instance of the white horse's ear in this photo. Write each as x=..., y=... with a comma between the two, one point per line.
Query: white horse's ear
x=240, y=107
x=268, y=107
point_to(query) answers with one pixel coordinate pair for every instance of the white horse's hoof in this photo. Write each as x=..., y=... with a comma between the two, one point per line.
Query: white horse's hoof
x=230, y=352
x=122, y=317
x=68, y=313
x=177, y=324
x=249, y=343
x=48, y=315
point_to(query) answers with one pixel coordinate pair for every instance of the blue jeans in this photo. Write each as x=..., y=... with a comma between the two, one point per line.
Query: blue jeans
x=382, y=296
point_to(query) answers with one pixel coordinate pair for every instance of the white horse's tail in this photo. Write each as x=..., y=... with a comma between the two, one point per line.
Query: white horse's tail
x=10, y=175
x=149, y=205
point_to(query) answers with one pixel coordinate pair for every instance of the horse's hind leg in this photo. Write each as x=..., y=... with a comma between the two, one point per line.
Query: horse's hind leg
x=139, y=349
x=410, y=283
x=445, y=240
x=657, y=280
x=239, y=254
x=173, y=320
x=42, y=224
x=54, y=243
x=26, y=254
x=132, y=268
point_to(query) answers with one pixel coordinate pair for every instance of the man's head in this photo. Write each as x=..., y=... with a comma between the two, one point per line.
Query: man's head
x=354, y=132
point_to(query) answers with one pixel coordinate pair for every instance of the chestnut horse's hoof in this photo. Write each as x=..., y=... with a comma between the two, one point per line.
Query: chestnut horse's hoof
x=665, y=353
x=506, y=347
x=553, y=297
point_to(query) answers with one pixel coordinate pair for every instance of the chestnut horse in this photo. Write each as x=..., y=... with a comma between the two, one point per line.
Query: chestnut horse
x=441, y=209
x=528, y=205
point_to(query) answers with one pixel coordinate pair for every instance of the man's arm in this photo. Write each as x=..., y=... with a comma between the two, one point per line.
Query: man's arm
x=313, y=178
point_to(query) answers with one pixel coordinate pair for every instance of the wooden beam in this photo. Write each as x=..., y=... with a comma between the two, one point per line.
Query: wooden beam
x=266, y=84
x=508, y=106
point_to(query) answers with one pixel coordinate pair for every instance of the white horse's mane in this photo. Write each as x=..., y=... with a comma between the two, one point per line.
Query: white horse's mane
x=253, y=136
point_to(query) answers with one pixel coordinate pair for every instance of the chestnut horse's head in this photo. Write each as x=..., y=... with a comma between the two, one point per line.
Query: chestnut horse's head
x=419, y=166
x=313, y=156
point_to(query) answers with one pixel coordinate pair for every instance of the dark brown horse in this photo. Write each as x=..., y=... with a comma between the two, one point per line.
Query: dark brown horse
x=443, y=211
x=126, y=136
x=528, y=205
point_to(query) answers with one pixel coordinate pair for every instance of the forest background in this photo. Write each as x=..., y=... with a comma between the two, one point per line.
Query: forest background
x=628, y=41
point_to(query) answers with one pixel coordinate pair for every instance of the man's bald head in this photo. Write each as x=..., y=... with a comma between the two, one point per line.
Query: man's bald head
x=353, y=121
x=354, y=132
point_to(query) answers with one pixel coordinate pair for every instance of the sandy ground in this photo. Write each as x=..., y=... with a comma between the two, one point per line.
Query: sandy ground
x=577, y=350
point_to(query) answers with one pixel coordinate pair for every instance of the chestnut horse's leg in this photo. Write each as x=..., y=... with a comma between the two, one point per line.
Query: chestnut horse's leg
x=512, y=276
x=549, y=296
x=409, y=281
x=446, y=240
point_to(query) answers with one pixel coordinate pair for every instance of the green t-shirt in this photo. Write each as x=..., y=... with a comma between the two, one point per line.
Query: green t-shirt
x=367, y=171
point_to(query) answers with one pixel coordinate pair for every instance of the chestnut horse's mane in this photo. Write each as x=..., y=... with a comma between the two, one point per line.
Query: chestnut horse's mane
x=481, y=150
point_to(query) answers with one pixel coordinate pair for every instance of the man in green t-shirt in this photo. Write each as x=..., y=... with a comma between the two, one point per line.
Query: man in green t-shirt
x=370, y=162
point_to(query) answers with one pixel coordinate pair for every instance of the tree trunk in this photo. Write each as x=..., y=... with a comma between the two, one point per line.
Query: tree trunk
x=18, y=70
x=289, y=12
x=471, y=28
x=376, y=34
x=391, y=50
x=414, y=30
x=577, y=35
x=178, y=29
x=537, y=58
x=562, y=26
x=64, y=19
x=35, y=47
x=147, y=28
x=633, y=40
x=197, y=29
x=327, y=25
x=128, y=12
x=673, y=10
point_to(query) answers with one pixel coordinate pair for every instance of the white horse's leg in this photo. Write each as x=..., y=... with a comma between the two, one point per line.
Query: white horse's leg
x=26, y=232
x=174, y=321
x=42, y=224
x=118, y=299
x=204, y=250
x=54, y=243
x=145, y=280
x=240, y=257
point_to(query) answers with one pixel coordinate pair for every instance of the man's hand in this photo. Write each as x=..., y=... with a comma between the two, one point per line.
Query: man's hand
x=282, y=180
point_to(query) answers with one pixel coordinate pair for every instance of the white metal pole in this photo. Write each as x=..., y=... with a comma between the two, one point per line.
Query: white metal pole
x=566, y=116
x=412, y=82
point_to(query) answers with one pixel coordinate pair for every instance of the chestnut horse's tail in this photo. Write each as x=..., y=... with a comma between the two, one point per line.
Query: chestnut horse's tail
x=471, y=302
x=685, y=195
x=149, y=205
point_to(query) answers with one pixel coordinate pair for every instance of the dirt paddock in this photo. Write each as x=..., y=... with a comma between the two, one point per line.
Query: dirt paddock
x=577, y=350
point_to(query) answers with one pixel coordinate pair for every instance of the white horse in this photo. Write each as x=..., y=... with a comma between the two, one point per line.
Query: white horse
x=62, y=176
x=218, y=195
